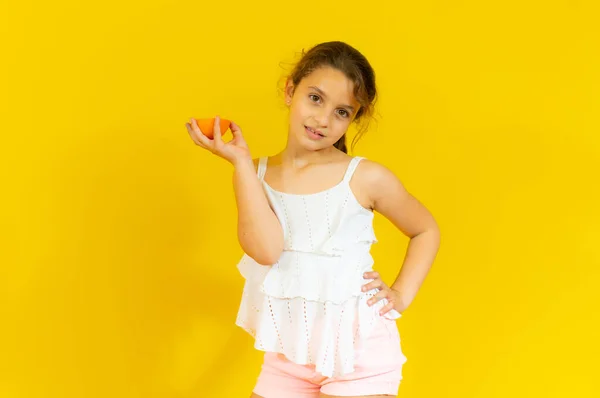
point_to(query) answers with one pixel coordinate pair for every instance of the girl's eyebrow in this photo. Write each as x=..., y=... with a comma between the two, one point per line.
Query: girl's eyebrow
x=317, y=89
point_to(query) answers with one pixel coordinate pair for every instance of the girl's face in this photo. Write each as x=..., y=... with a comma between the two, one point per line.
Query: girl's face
x=322, y=107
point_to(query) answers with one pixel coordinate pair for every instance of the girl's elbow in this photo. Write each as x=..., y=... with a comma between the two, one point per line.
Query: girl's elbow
x=263, y=251
x=266, y=258
x=268, y=255
x=265, y=261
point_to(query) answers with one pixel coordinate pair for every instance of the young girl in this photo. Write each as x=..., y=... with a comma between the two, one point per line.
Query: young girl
x=323, y=317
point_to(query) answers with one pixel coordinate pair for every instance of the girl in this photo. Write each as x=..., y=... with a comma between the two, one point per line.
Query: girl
x=323, y=317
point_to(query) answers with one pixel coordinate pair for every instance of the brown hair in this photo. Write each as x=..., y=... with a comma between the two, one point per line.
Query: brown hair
x=355, y=66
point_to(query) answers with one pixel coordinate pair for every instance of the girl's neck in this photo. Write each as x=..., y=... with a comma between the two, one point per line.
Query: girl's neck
x=297, y=158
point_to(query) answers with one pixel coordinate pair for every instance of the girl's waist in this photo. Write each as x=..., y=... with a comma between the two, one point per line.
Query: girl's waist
x=317, y=277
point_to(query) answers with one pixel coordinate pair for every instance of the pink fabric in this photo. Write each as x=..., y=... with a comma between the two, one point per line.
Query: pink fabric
x=378, y=371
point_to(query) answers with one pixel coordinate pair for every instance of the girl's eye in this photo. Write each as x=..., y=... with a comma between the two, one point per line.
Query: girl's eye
x=316, y=98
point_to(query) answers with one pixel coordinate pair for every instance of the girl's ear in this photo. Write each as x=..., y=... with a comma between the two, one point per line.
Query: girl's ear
x=289, y=90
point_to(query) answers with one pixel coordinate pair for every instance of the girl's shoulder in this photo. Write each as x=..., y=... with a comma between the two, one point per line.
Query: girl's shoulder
x=373, y=179
x=372, y=171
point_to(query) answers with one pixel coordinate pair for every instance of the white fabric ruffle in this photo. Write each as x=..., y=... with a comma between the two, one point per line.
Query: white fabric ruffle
x=304, y=323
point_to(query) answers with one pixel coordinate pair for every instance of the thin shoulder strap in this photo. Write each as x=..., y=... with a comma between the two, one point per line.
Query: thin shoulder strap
x=262, y=167
x=352, y=168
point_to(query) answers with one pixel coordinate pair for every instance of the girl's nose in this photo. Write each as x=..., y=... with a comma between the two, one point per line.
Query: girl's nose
x=322, y=118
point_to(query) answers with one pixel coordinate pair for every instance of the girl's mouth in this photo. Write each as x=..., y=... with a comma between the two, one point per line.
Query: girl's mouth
x=314, y=134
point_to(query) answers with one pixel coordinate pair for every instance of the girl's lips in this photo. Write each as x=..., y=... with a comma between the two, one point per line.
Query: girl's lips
x=314, y=134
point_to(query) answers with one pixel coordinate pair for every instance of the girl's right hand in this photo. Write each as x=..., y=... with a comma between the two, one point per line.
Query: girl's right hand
x=233, y=151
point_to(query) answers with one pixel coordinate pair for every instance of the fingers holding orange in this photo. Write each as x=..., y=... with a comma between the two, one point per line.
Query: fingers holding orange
x=196, y=135
x=207, y=133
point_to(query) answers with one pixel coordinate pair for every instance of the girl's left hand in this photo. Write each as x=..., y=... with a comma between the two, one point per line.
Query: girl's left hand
x=393, y=296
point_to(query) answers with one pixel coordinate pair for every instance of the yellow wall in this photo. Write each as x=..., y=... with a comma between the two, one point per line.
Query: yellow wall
x=118, y=245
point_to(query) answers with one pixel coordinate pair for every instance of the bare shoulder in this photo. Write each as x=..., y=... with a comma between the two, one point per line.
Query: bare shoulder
x=370, y=169
x=377, y=181
x=388, y=196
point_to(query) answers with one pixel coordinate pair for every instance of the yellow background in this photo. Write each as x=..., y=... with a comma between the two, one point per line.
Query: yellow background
x=118, y=245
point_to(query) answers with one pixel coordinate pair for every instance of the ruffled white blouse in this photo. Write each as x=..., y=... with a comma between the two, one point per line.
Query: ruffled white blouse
x=309, y=305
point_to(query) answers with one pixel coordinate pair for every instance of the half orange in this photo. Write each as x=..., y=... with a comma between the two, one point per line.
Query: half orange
x=207, y=126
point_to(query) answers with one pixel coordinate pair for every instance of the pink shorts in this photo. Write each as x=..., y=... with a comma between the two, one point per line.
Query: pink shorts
x=378, y=371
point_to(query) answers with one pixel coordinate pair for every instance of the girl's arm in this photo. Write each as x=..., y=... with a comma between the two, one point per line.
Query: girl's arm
x=389, y=197
x=259, y=232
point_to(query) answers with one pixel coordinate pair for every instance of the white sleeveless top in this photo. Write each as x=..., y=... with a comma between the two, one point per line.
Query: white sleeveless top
x=309, y=305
